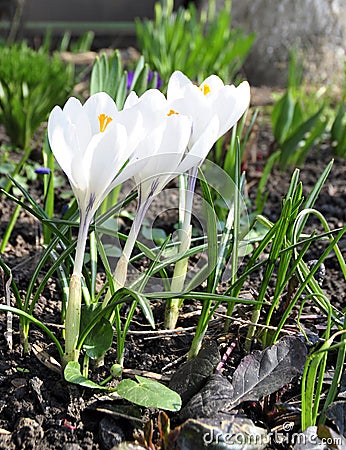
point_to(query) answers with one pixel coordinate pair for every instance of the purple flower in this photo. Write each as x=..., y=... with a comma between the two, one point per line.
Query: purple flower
x=129, y=79
x=150, y=77
x=43, y=171
x=158, y=81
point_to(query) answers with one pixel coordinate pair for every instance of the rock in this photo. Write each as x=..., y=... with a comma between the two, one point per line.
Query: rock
x=230, y=432
x=317, y=28
x=71, y=446
x=110, y=433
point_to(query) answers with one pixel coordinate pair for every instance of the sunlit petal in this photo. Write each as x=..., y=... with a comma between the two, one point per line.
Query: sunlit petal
x=200, y=149
x=238, y=97
x=111, y=146
x=176, y=84
x=97, y=105
x=91, y=144
x=213, y=82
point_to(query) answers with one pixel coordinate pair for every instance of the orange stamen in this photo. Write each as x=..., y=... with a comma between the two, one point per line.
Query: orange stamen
x=171, y=112
x=205, y=88
x=104, y=121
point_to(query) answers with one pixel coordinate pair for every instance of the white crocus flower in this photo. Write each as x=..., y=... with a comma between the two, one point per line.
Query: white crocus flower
x=214, y=108
x=92, y=143
x=160, y=154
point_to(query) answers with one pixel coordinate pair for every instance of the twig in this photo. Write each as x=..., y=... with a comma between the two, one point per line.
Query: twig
x=173, y=363
x=248, y=322
x=146, y=373
x=226, y=356
x=9, y=316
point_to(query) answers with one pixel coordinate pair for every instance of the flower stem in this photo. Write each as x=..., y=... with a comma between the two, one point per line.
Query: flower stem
x=120, y=273
x=74, y=305
x=177, y=285
x=72, y=322
x=200, y=330
x=179, y=275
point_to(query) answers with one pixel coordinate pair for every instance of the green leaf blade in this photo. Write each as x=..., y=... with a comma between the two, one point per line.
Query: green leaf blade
x=149, y=393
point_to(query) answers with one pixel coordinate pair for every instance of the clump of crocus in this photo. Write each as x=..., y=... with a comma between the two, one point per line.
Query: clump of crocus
x=152, y=139
x=161, y=151
x=214, y=108
x=211, y=109
x=92, y=144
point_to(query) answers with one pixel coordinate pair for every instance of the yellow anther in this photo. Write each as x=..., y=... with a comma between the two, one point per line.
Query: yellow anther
x=104, y=121
x=171, y=112
x=205, y=88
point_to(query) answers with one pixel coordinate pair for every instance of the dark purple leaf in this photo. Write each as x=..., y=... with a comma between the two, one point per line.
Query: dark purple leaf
x=318, y=438
x=336, y=412
x=264, y=372
x=192, y=375
x=210, y=400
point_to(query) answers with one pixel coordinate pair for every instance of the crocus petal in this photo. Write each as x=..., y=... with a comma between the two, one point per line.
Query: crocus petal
x=72, y=109
x=163, y=149
x=230, y=104
x=176, y=84
x=134, y=166
x=199, y=151
x=103, y=170
x=197, y=108
x=213, y=82
x=131, y=100
x=133, y=121
x=153, y=106
x=97, y=104
x=75, y=114
x=61, y=142
x=91, y=145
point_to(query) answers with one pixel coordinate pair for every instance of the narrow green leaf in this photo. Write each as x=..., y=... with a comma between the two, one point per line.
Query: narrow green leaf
x=312, y=197
x=291, y=144
x=282, y=116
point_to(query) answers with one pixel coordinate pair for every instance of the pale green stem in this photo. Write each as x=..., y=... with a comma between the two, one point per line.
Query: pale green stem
x=120, y=273
x=179, y=275
x=177, y=285
x=74, y=305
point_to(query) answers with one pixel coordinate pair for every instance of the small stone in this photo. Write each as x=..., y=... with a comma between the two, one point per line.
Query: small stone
x=28, y=434
x=70, y=446
x=110, y=433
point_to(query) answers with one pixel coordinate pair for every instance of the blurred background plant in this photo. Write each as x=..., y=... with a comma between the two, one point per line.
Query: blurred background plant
x=197, y=43
x=338, y=127
x=338, y=131
x=31, y=83
x=297, y=117
x=110, y=75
